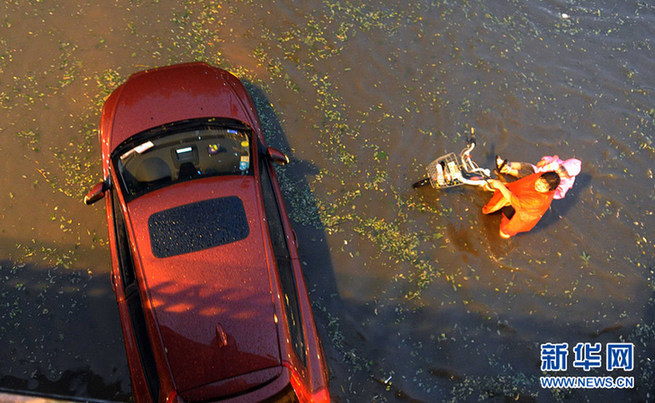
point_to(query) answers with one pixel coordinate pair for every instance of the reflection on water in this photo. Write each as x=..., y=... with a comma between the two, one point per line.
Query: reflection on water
x=416, y=297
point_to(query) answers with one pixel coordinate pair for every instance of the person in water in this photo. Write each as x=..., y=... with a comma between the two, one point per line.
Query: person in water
x=522, y=202
x=567, y=170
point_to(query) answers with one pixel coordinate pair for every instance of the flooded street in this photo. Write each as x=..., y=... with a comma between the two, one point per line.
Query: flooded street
x=415, y=295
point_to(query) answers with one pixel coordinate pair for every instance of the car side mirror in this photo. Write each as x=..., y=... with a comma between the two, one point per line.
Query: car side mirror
x=277, y=156
x=97, y=192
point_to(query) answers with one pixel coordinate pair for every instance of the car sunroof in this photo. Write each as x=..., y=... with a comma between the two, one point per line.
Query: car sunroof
x=197, y=226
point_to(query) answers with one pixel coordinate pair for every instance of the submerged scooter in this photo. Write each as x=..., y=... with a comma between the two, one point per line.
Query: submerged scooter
x=449, y=171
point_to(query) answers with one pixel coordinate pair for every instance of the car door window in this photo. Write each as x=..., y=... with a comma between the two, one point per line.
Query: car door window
x=126, y=263
x=131, y=291
x=283, y=260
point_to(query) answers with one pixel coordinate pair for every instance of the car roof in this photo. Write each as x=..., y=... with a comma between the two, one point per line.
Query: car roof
x=214, y=307
x=168, y=94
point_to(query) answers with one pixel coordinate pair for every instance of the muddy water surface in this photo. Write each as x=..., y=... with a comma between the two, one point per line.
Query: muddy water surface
x=415, y=295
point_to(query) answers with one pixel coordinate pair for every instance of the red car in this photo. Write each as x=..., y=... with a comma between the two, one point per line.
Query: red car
x=205, y=267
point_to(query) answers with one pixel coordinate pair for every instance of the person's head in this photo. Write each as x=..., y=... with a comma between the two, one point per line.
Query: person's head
x=547, y=181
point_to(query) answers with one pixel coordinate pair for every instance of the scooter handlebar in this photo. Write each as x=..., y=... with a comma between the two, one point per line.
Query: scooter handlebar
x=472, y=138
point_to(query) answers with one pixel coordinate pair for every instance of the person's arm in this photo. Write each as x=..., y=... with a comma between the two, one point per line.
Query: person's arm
x=547, y=160
x=507, y=194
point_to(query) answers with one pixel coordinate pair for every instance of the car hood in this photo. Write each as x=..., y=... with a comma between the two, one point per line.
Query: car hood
x=168, y=94
x=214, y=307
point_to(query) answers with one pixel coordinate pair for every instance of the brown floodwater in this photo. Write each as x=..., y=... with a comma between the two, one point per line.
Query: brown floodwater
x=415, y=295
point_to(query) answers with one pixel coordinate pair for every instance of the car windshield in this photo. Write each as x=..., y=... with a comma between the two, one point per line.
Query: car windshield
x=173, y=154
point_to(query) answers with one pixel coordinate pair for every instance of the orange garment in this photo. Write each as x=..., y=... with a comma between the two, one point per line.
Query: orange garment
x=529, y=204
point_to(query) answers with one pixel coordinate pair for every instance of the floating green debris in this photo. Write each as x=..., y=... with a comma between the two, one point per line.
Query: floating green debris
x=32, y=138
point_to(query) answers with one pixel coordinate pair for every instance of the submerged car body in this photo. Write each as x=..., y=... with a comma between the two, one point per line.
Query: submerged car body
x=205, y=268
